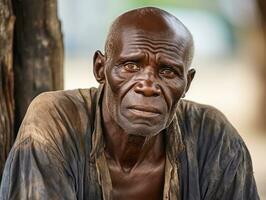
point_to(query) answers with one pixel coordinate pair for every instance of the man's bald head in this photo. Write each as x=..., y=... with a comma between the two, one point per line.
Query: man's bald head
x=153, y=21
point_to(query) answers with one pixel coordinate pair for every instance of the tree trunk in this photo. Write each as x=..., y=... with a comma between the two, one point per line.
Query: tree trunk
x=31, y=61
x=262, y=62
x=6, y=81
x=38, y=52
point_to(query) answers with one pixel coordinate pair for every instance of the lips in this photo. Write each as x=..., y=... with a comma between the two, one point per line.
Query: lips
x=144, y=110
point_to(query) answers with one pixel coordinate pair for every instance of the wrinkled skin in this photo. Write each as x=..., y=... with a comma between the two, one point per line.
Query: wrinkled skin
x=145, y=75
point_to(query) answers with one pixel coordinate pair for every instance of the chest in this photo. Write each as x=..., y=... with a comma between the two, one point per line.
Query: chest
x=142, y=183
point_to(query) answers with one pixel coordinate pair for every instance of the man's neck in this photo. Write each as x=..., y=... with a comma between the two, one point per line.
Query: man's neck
x=130, y=151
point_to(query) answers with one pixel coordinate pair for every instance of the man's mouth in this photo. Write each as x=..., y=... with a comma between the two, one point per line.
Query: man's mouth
x=145, y=111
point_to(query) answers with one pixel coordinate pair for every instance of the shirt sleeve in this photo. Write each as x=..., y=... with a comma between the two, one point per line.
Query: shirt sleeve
x=34, y=171
x=233, y=179
x=225, y=164
x=216, y=164
x=239, y=176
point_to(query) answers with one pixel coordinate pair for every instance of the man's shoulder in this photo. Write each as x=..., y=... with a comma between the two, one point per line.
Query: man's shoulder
x=206, y=131
x=198, y=111
x=57, y=116
x=214, y=154
x=63, y=101
x=207, y=122
x=62, y=97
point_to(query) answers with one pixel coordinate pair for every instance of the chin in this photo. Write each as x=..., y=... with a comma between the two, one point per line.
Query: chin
x=142, y=130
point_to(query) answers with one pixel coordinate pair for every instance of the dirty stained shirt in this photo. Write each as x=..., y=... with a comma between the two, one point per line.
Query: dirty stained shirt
x=59, y=153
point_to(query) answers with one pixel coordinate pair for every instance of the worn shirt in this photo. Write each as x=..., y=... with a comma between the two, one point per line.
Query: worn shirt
x=59, y=153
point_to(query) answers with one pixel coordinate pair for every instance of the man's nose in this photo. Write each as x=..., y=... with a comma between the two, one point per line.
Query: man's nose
x=148, y=86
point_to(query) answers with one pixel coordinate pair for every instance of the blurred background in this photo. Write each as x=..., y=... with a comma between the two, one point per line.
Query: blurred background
x=230, y=57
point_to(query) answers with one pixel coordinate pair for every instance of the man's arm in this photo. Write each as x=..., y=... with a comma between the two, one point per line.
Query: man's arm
x=44, y=161
x=225, y=165
x=216, y=163
x=34, y=171
x=237, y=181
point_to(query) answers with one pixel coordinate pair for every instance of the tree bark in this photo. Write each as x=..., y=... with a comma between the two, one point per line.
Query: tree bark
x=31, y=61
x=262, y=9
x=38, y=52
x=6, y=81
x=261, y=4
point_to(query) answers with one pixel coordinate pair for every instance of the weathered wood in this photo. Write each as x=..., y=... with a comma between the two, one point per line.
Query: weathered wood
x=6, y=81
x=38, y=52
x=262, y=11
x=261, y=4
x=31, y=61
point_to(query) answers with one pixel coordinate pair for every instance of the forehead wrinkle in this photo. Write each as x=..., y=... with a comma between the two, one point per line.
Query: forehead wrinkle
x=159, y=46
x=144, y=48
x=171, y=40
x=156, y=48
x=180, y=45
x=165, y=53
x=171, y=55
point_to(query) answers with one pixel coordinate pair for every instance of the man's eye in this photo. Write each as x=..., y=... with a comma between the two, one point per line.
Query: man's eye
x=168, y=72
x=131, y=67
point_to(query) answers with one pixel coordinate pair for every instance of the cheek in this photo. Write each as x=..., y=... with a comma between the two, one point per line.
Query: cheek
x=173, y=91
x=111, y=99
x=113, y=80
x=113, y=103
x=117, y=86
x=119, y=82
x=117, y=79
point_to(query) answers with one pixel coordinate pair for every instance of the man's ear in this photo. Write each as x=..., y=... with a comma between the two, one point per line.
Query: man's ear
x=190, y=76
x=98, y=66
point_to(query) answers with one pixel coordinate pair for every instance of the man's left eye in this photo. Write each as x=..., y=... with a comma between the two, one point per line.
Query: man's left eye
x=168, y=72
x=131, y=67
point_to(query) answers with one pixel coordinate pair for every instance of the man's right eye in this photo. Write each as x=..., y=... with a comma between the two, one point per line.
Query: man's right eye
x=131, y=67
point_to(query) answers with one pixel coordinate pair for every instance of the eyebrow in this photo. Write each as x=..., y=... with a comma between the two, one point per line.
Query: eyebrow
x=131, y=57
x=176, y=64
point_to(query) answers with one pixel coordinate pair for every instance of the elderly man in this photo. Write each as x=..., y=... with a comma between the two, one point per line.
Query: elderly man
x=133, y=138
